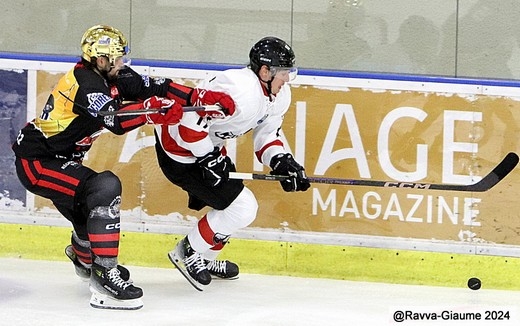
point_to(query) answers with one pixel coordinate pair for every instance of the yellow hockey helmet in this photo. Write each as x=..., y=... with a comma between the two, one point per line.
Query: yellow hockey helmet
x=102, y=40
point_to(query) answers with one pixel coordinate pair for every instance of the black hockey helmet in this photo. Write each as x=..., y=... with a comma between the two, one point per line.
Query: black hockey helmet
x=272, y=52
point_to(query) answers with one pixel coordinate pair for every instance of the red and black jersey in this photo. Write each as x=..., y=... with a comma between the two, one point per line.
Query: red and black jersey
x=70, y=122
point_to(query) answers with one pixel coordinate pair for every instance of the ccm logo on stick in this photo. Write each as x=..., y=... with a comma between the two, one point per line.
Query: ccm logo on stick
x=406, y=185
x=112, y=226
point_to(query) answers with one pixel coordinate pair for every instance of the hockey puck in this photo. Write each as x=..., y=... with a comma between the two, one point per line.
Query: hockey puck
x=474, y=283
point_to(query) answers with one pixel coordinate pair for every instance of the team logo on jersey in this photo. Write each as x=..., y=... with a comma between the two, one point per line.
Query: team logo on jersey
x=49, y=106
x=96, y=102
x=109, y=119
x=146, y=80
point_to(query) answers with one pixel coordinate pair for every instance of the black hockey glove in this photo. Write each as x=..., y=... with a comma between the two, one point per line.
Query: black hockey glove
x=215, y=167
x=284, y=164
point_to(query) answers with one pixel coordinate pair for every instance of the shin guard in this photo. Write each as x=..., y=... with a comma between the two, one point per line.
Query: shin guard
x=81, y=249
x=104, y=232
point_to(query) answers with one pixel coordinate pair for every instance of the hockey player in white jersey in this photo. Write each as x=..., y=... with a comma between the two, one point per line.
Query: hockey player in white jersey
x=192, y=155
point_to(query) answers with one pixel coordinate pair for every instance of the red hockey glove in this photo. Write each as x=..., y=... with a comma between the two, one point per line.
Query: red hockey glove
x=207, y=97
x=171, y=112
x=157, y=103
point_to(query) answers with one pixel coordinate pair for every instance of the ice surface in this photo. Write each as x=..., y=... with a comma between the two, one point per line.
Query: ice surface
x=49, y=293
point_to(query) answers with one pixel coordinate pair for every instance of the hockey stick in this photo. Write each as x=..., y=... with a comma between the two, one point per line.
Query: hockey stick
x=140, y=112
x=499, y=172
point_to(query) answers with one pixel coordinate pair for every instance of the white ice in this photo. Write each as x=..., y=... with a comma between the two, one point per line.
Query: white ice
x=36, y=292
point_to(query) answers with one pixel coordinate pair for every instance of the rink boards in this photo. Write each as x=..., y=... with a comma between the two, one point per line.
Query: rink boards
x=429, y=130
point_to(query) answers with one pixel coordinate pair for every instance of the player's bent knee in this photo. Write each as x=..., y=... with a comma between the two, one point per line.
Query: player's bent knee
x=102, y=189
x=244, y=208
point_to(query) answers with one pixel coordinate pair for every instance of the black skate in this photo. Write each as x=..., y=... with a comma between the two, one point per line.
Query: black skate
x=84, y=272
x=81, y=270
x=190, y=264
x=110, y=291
x=223, y=269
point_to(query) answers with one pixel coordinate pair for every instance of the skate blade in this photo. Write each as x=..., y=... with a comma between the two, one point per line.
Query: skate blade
x=84, y=272
x=103, y=301
x=175, y=259
x=82, y=276
x=216, y=277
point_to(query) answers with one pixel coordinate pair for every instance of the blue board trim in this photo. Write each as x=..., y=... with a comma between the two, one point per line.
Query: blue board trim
x=301, y=71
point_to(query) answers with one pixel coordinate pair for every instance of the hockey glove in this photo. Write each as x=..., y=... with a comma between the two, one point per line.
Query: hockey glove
x=215, y=167
x=206, y=97
x=171, y=112
x=284, y=164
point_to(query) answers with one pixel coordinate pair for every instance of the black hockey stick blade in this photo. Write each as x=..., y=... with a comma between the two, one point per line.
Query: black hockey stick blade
x=489, y=181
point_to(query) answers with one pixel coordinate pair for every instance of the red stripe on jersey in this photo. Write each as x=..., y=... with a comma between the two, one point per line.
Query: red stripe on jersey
x=28, y=172
x=170, y=145
x=56, y=175
x=190, y=135
x=265, y=147
x=131, y=107
x=53, y=186
x=179, y=93
x=106, y=252
x=205, y=230
x=103, y=237
x=132, y=123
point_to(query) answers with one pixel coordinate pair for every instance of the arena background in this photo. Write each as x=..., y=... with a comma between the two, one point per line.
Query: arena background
x=446, y=117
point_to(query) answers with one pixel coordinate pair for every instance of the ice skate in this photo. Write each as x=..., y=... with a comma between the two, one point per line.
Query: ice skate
x=84, y=271
x=81, y=270
x=223, y=269
x=190, y=264
x=110, y=291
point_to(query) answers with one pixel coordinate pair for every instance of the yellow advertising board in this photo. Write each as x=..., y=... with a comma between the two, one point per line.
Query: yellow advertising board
x=354, y=133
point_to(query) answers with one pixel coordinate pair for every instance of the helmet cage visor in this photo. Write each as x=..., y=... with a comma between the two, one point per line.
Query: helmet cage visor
x=106, y=47
x=284, y=73
x=115, y=60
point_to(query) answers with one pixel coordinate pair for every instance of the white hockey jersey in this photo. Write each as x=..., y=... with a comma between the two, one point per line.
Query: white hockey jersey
x=195, y=136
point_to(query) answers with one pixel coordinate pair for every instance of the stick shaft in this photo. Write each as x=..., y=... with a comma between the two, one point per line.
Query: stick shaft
x=140, y=112
x=214, y=107
x=498, y=173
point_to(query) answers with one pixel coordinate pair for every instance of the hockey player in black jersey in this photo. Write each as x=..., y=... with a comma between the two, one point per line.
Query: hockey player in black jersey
x=49, y=152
